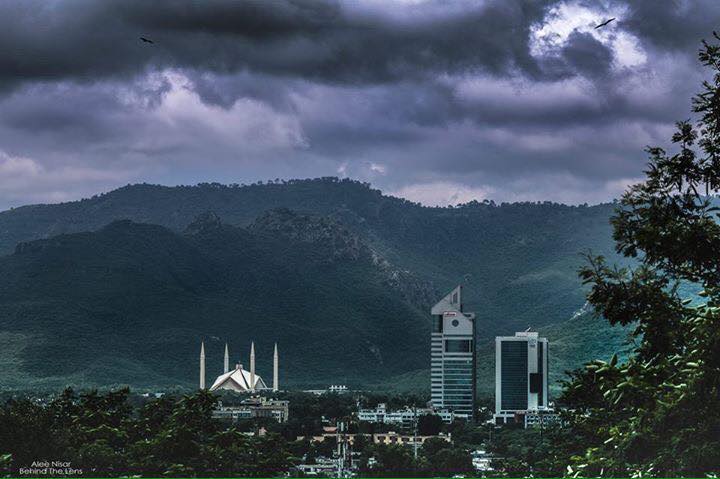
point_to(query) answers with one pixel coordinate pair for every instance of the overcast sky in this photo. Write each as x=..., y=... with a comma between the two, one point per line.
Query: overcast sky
x=437, y=101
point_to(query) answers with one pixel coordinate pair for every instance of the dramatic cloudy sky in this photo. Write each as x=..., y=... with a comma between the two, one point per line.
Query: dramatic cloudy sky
x=437, y=101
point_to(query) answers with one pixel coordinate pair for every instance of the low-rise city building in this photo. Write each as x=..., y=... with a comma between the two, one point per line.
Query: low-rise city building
x=323, y=467
x=406, y=439
x=254, y=407
x=540, y=418
x=390, y=437
x=405, y=417
x=481, y=460
x=332, y=389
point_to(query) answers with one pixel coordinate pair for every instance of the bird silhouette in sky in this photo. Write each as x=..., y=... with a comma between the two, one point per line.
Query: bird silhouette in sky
x=145, y=40
x=604, y=23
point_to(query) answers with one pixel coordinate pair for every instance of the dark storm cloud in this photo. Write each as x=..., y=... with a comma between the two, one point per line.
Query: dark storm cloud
x=317, y=39
x=418, y=97
x=673, y=24
x=224, y=90
x=587, y=55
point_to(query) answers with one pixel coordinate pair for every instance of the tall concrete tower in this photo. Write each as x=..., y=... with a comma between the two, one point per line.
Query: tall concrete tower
x=276, y=366
x=226, y=366
x=452, y=356
x=202, y=365
x=252, y=366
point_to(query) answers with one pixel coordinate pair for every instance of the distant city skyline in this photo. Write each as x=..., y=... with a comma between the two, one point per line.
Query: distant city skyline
x=438, y=102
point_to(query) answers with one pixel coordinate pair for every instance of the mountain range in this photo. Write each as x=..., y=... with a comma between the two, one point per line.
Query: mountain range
x=122, y=287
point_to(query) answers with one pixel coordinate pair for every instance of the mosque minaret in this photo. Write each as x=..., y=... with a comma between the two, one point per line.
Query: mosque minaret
x=202, y=365
x=252, y=366
x=276, y=365
x=226, y=364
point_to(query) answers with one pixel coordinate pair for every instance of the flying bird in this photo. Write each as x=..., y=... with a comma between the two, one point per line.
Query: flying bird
x=604, y=23
x=145, y=40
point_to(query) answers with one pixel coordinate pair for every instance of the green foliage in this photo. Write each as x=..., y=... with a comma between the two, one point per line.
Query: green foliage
x=656, y=413
x=103, y=435
x=108, y=435
x=130, y=303
x=529, y=452
x=307, y=411
x=445, y=460
x=393, y=461
x=429, y=425
x=436, y=458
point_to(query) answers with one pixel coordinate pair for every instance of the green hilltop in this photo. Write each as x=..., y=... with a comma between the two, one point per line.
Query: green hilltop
x=122, y=287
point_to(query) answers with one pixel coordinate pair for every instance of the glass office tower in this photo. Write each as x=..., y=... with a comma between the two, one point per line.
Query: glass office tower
x=452, y=356
x=521, y=380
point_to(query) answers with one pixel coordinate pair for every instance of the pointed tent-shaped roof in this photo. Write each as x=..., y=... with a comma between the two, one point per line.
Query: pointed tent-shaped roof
x=237, y=380
x=451, y=302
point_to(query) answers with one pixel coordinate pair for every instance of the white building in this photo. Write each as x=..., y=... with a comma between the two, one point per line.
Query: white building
x=482, y=461
x=405, y=417
x=332, y=389
x=521, y=379
x=540, y=418
x=240, y=379
x=452, y=356
x=255, y=407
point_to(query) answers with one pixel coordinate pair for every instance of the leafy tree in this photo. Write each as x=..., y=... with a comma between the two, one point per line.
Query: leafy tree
x=24, y=437
x=445, y=459
x=450, y=461
x=433, y=446
x=429, y=425
x=103, y=435
x=657, y=412
x=393, y=461
x=521, y=452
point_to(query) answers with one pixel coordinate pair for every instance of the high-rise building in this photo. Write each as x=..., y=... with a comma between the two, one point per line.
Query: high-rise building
x=521, y=379
x=452, y=356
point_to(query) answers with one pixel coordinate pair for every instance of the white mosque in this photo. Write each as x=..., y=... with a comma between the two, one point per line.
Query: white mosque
x=239, y=379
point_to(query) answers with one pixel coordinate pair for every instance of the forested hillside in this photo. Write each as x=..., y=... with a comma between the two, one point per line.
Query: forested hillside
x=121, y=288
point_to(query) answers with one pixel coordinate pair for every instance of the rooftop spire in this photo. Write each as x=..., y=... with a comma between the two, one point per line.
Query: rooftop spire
x=451, y=302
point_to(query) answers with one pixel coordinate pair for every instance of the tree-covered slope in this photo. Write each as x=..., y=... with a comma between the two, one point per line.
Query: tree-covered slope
x=508, y=255
x=343, y=273
x=131, y=302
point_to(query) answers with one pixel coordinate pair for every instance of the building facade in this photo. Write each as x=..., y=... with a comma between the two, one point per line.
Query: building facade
x=239, y=379
x=405, y=417
x=390, y=437
x=521, y=379
x=452, y=357
x=255, y=407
